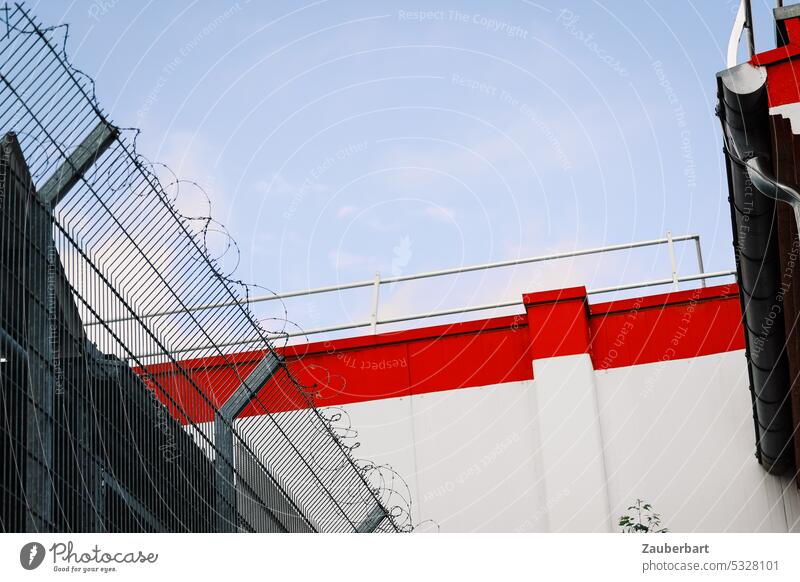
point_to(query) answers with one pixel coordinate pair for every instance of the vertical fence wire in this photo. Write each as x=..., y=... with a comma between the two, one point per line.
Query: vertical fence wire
x=137, y=436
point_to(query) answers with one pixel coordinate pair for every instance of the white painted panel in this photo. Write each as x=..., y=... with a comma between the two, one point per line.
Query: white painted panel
x=532, y=456
x=571, y=444
x=384, y=431
x=791, y=501
x=476, y=467
x=680, y=435
x=790, y=111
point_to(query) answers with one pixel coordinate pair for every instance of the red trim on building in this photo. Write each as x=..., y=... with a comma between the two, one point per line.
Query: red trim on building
x=782, y=71
x=554, y=295
x=558, y=322
x=782, y=53
x=670, y=326
x=674, y=326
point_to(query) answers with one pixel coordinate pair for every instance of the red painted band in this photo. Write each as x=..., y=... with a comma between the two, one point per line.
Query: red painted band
x=670, y=326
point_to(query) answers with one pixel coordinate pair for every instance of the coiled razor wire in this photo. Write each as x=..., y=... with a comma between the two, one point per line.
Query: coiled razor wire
x=126, y=250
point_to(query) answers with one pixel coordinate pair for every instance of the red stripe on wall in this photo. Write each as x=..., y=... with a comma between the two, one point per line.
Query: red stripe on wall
x=670, y=326
x=783, y=68
x=667, y=327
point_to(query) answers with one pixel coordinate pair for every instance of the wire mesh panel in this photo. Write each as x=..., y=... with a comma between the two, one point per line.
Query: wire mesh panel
x=92, y=240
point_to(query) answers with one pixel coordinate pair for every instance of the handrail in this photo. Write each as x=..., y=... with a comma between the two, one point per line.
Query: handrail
x=377, y=281
x=744, y=19
x=443, y=312
x=375, y=320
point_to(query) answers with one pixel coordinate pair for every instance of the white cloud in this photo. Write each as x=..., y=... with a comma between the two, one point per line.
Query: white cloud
x=275, y=186
x=440, y=214
x=279, y=187
x=192, y=159
x=346, y=211
x=344, y=260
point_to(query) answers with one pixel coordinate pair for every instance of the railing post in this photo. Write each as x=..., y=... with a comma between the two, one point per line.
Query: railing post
x=376, y=293
x=748, y=19
x=671, y=246
x=700, y=267
x=372, y=322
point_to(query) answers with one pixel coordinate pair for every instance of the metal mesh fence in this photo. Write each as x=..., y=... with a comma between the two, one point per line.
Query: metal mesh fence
x=104, y=428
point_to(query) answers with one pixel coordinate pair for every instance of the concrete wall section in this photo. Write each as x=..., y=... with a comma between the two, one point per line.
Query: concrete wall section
x=571, y=444
x=572, y=449
x=680, y=435
x=557, y=420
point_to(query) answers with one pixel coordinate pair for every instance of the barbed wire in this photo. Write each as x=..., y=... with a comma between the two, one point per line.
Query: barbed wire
x=126, y=249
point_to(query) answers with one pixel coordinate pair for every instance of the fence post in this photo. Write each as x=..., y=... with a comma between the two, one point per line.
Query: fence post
x=376, y=293
x=224, y=453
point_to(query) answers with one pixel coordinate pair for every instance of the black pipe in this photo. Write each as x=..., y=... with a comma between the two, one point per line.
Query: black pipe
x=744, y=112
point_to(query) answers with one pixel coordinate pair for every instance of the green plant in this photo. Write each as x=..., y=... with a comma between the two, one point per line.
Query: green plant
x=642, y=519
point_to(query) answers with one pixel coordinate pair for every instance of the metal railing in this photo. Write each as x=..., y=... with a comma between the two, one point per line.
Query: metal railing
x=375, y=320
x=741, y=22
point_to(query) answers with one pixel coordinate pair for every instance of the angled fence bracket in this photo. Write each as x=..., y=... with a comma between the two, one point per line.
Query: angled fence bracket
x=223, y=438
x=376, y=515
x=79, y=161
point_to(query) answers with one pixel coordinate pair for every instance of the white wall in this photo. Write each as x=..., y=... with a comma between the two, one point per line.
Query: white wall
x=570, y=450
x=531, y=456
x=680, y=435
x=466, y=455
x=571, y=444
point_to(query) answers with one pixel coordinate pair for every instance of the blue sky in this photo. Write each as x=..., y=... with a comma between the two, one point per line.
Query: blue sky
x=336, y=139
